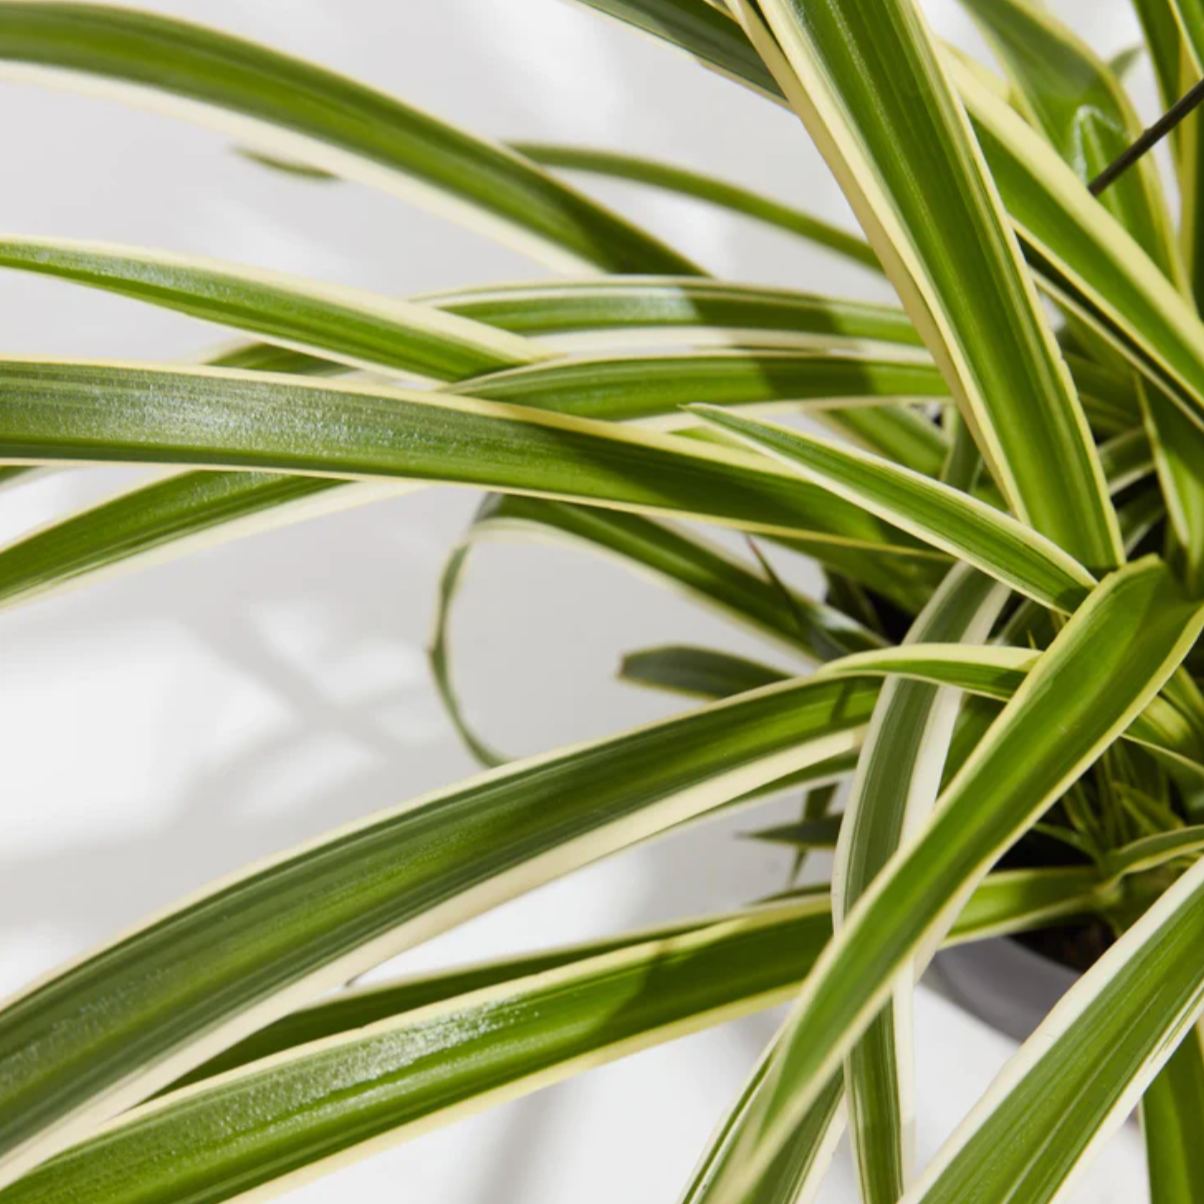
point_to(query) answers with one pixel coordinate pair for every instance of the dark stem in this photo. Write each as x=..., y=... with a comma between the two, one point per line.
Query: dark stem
x=1151, y=137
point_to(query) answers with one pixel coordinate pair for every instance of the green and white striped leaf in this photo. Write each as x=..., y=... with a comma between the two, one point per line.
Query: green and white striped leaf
x=354, y=327
x=696, y=672
x=867, y=82
x=626, y=387
x=1102, y=669
x=1078, y=1076
x=206, y=417
x=1079, y=252
x=1177, y=444
x=897, y=782
x=298, y=111
x=197, y=978
x=1171, y=1111
x=1073, y=96
x=1150, y=852
x=383, y=1064
x=1087, y=260
x=947, y=518
x=683, y=182
x=684, y=303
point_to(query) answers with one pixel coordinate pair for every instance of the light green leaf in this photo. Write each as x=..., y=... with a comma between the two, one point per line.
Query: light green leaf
x=1102, y=669
x=897, y=782
x=1171, y=1112
x=683, y=182
x=296, y=110
x=674, y=303
x=170, y=995
x=206, y=417
x=1072, y=95
x=875, y=99
x=1178, y=451
x=1078, y=1076
x=1150, y=852
x=354, y=327
x=386, y=1063
x=625, y=387
x=945, y=517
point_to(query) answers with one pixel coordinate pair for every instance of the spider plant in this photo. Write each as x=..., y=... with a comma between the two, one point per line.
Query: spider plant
x=1001, y=479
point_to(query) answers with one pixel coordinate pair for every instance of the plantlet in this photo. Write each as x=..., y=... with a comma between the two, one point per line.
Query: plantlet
x=1008, y=510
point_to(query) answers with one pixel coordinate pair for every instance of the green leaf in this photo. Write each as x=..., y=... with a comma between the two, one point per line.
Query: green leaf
x=701, y=29
x=1088, y=262
x=1178, y=451
x=945, y=517
x=292, y=109
x=1170, y=1121
x=1150, y=852
x=897, y=782
x=388, y=1062
x=806, y=834
x=1102, y=669
x=681, y=303
x=142, y=1011
x=1078, y=1076
x=206, y=417
x=867, y=82
x=697, y=672
x=630, y=386
x=354, y=327
x=1072, y=96
x=1081, y=255
x=681, y=561
x=683, y=182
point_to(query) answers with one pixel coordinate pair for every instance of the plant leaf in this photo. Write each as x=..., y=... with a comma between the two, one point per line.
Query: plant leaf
x=896, y=784
x=354, y=327
x=1104, y=666
x=296, y=110
x=1170, y=1120
x=1073, y=96
x=947, y=518
x=874, y=97
x=216, y=418
x=170, y=995
x=381, y=1067
x=1074, y=1081
x=683, y=182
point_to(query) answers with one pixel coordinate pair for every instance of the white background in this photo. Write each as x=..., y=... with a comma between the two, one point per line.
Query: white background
x=170, y=726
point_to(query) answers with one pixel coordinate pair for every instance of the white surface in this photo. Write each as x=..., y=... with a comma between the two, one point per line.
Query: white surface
x=168, y=727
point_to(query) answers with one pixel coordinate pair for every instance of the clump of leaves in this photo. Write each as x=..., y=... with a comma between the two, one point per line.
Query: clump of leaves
x=1008, y=510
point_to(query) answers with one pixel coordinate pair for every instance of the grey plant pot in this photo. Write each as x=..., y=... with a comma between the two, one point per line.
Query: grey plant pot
x=1002, y=983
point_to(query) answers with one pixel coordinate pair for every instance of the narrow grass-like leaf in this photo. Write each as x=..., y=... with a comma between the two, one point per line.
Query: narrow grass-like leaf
x=627, y=387
x=701, y=29
x=670, y=556
x=1152, y=851
x=1171, y=1112
x=947, y=518
x=369, y=1075
x=1071, y=94
x=1080, y=1073
x=1177, y=444
x=303, y=112
x=1086, y=258
x=617, y=303
x=701, y=672
x=1102, y=669
x=355, y=327
x=168, y=996
x=683, y=182
x=867, y=82
x=897, y=782
x=215, y=418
